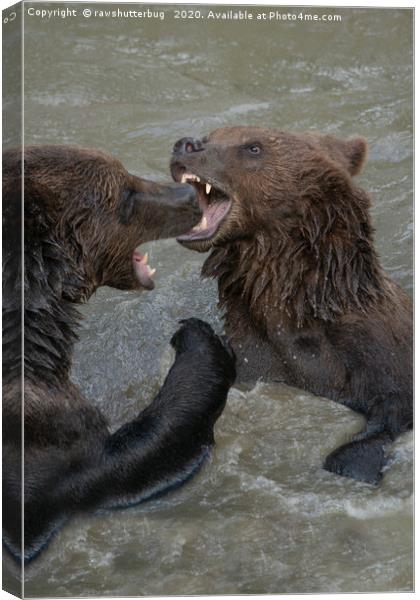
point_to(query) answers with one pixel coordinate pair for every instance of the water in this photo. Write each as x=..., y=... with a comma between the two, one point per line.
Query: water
x=262, y=516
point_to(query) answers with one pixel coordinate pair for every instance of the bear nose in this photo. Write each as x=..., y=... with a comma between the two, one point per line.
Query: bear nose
x=187, y=145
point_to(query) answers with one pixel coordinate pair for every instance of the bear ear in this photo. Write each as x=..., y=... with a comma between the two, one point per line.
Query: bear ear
x=356, y=153
x=350, y=154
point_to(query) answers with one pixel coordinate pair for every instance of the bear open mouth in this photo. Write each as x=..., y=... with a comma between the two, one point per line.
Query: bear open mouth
x=215, y=205
x=143, y=271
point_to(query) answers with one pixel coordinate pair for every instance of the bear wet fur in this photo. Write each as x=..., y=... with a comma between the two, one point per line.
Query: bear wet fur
x=305, y=298
x=84, y=217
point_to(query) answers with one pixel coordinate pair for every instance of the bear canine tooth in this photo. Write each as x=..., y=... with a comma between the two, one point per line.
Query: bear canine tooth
x=208, y=188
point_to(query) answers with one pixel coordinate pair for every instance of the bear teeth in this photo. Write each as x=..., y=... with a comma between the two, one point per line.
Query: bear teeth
x=208, y=188
x=186, y=177
x=202, y=225
x=142, y=259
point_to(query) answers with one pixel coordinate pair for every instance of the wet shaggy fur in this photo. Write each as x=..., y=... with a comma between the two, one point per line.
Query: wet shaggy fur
x=84, y=215
x=306, y=300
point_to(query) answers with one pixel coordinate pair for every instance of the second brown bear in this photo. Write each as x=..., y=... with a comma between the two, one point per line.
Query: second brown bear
x=306, y=300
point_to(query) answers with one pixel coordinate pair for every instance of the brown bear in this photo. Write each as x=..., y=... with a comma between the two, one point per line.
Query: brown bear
x=84, y=217
x=306, y=300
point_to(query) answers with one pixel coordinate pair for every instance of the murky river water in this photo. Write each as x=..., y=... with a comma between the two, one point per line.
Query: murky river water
x=262, y=516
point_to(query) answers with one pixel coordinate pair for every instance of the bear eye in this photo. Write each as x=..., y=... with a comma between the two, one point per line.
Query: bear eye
x=254, y=149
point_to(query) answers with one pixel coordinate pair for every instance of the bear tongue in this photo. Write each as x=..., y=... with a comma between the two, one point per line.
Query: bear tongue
x=213, y=215
x=142, y=270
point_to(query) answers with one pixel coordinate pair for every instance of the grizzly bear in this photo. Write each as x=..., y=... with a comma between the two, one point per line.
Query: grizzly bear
x=306, y=300
x=84, y=217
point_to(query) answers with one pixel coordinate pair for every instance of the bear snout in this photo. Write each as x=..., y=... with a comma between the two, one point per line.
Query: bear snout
x=184, y=195
x=187, y=145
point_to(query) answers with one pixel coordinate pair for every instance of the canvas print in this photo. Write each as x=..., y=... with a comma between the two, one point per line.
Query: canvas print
x=207, y=299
